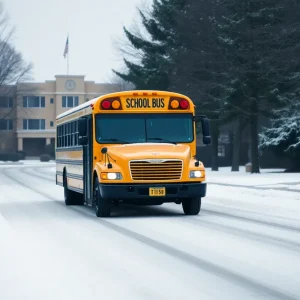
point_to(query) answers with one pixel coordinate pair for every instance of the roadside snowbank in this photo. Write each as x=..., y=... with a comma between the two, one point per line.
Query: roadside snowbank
x=5, y=164
x=266, y=178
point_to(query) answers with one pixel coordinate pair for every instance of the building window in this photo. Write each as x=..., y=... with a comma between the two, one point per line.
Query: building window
x=34, y=124
x=67, y=135
x=51, y=100
x=6, y=124
x=33, y=101
x=70, y=101
x=51, y=123
x=221, y=150
x=6, y=102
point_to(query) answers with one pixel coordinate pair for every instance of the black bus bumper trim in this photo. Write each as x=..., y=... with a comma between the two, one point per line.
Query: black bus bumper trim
x=141, y=191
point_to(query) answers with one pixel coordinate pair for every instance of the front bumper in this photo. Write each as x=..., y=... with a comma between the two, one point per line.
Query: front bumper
x=141, y=191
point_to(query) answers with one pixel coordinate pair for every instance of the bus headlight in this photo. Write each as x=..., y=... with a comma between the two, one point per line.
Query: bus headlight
x=111, y=176
x=195, y=174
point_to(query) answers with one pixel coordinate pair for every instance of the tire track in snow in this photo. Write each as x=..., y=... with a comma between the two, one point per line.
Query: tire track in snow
x=37, y=173
x=214, y=225
x=214, y=269
x=256, y=187
x=260, y=237
x=243, y=218
x=248, y=234
x=211, y=212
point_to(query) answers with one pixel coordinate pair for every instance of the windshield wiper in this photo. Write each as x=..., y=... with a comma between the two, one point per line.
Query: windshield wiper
x=160, y=139
x=115, y=140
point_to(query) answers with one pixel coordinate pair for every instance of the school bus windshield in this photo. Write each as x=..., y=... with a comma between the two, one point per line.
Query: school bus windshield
x=141, y=128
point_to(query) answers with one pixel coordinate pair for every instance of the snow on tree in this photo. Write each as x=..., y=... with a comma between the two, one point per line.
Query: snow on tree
x=283, y=137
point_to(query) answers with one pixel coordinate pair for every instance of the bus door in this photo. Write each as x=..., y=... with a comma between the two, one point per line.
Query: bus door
x=86, y=140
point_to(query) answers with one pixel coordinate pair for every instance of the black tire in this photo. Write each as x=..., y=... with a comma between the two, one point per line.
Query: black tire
x=102, y=206
x=192, y=206
x=71, y=197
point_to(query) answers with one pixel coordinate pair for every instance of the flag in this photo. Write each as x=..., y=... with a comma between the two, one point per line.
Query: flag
x=66, y=48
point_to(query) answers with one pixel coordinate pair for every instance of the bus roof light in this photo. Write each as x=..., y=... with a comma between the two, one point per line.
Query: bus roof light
x=184, y=104
x=106, y=104
x=174, y=104
x=178, y=103
x=135, y=94
x=116, y=104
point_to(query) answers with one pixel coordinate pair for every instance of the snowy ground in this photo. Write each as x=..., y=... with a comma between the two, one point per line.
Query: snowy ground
x=245, y=243
x=269, y=178
x=24, y=162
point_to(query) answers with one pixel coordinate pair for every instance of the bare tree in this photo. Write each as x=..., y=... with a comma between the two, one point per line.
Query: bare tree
x=13, y=68
x=124, y=49
x=121, y=84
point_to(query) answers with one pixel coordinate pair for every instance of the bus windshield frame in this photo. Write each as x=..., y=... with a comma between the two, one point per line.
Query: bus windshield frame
x=112, y=128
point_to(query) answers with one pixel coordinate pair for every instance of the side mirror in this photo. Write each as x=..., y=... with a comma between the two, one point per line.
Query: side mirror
x=206, y=140
x=82, y=140
x=205, y=130
x=205, y=127
x=82, y=127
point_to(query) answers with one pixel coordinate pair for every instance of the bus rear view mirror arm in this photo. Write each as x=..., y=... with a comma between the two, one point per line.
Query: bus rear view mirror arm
x=205, y=129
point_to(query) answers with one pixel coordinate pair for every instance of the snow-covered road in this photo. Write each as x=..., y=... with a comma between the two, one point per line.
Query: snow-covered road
x=245, y=244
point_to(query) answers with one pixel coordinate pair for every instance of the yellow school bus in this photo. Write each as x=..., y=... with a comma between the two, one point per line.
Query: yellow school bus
x=135, y=147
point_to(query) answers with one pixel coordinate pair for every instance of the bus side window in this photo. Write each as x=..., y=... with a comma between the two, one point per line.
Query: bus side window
x=70, y=134
x=76, y=133
x=73, y=133
x=57, y=136
x=60, y=136
x=65, y=136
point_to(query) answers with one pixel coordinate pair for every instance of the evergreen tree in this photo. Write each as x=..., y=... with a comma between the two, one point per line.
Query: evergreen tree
x=259, y=40
x=153, y=70
x=237, y=60
x=199, y=69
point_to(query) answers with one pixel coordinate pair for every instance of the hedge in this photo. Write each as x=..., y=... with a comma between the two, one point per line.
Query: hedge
x=45, y=158
x=23, y=154
x=10, y=156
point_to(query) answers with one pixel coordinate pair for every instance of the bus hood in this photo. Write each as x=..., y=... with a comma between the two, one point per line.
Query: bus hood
x=149, y=151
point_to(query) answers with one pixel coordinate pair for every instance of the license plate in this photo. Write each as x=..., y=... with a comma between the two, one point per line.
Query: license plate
x=157, y=192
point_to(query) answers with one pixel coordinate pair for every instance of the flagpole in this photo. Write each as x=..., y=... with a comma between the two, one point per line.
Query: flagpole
x=68, y=64
x=68, y=55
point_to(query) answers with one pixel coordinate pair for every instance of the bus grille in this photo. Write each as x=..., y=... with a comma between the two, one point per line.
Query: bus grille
x=166, y=170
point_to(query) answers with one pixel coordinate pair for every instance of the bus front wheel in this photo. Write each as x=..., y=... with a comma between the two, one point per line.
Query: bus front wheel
x=191, y=206
x=102, y=206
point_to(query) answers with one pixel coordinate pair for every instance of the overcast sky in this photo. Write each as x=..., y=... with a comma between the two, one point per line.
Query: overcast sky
x=42, y=27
